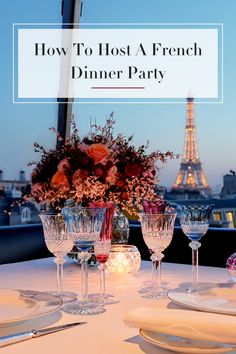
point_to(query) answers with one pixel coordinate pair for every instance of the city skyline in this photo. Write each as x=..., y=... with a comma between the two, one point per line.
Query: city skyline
x=163, y=125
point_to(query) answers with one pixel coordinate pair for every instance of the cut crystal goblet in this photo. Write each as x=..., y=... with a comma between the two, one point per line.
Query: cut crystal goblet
x=84, y=227
x=102, y=249
x=157, y=232
x=194, y=221
x=59, y=243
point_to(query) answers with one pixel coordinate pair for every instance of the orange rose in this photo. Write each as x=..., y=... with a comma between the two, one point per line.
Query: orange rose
x=59, y=179
x=98, y=152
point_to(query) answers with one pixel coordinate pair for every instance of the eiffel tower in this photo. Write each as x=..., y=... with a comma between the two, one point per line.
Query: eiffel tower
x=191, y=176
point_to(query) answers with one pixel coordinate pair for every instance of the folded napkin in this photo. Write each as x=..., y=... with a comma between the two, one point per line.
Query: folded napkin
x=184, y=323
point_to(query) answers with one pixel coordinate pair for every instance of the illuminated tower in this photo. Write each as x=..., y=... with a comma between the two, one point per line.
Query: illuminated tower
x=191, y=176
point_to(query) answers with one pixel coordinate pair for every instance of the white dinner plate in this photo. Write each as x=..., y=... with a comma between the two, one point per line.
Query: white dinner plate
x=184, y=345
x=21, y=305
x=218, y=297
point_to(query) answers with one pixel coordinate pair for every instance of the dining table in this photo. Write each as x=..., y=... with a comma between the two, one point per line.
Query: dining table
x=104, y=333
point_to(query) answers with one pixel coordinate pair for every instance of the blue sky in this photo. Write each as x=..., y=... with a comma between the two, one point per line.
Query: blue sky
x=162, y=125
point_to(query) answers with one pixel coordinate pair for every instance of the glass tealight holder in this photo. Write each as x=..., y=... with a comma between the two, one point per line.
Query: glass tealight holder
x=124, y=259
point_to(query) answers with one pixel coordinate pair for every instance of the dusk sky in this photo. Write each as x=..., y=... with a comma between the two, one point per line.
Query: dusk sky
x=163, y=125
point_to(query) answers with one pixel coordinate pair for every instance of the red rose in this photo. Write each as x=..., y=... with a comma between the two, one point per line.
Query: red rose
x=98, y=172
x=133, y=170
x=119, y=182
x=84, y=161
x=125, y=196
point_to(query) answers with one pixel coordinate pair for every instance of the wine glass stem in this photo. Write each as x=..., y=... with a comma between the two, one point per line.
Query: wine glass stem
x=59, y=262
x=84, y=270
x=156, y=266
x=195, y=266
x=102, y=268
x=195, y=269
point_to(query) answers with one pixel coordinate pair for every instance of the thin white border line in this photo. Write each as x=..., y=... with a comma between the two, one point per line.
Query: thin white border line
x=13, y=64
x=94, y=102
x=121, y=23
x=222, y=63
x=220, y=24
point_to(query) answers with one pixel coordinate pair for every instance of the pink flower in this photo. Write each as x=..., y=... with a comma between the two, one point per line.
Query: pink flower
x=148, y=173
x=154, y=207
x=63, y=165
x=111, y=176
x=83, y=147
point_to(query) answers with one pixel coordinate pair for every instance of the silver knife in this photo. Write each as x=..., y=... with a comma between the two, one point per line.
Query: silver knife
x=20, y=337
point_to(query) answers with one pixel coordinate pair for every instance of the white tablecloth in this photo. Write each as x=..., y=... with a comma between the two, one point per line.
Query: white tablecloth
x=104, y=333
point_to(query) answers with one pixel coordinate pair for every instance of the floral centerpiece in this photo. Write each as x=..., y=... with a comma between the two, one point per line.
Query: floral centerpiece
x=97, y=167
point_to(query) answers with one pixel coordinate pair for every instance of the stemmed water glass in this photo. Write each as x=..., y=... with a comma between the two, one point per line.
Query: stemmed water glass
x=194, y=221
x=84, y=227
x=102, y=249
x=157, y=230
x=59, y=243
x=152, y=207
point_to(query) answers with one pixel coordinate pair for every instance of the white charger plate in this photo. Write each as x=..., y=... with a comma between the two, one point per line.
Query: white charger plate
x=184, y=345
x=20, y=305
x=219, y=298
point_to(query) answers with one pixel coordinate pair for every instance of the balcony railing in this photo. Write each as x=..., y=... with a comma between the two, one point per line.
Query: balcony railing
x=26, y=242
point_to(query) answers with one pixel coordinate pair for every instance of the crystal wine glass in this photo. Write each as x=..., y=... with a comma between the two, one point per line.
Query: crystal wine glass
x=102, y=249
x=194, y=221
x=84, y=226
x=157, y=230
x=59, y=243
x=153, y=207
